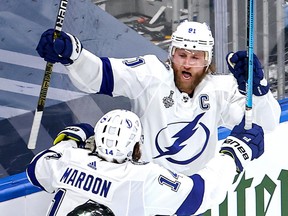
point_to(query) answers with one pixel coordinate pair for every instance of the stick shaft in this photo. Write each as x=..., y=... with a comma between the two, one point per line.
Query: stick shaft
x=250, y=51
x=46, y=80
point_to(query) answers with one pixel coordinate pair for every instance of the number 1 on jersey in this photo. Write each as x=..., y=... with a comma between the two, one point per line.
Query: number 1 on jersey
x=173, y=184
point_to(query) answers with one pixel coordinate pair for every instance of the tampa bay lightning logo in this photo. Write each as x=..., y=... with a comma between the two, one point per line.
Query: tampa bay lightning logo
x=180, y=137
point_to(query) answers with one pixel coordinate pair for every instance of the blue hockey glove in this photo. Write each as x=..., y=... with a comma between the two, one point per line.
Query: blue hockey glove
x=65, y=49
x=79, y=133
x=244, y=145
x=238, y=65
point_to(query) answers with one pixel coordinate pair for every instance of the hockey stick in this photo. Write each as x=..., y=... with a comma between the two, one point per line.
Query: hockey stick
x=46, y=80
x=250, y=51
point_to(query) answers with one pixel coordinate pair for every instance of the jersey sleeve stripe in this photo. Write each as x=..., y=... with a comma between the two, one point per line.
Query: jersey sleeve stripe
x=107, y=84
x=31, y=169
x=194, y=199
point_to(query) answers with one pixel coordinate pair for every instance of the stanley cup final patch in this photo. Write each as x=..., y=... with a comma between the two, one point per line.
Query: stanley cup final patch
x=168, y=101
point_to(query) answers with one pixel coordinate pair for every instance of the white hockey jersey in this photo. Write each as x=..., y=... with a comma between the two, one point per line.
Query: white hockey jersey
x=180, y=132
x=128, y=189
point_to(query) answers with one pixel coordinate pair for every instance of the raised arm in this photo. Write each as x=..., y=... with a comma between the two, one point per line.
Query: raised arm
x=266, y=109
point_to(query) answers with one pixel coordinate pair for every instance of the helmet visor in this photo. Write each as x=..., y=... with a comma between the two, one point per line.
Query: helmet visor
x=192, y=58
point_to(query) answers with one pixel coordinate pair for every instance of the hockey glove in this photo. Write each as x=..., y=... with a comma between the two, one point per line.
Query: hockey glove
x=79, y=133
x=238, y=65
x=65, y=49
x=244, y=145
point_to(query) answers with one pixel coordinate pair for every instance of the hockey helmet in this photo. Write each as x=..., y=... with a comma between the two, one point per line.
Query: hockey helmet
x=91, y=209
x=116, y=134
x=193, y=36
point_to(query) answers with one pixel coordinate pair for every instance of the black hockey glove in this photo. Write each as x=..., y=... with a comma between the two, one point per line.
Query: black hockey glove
x=65, y=49
x=238, y=65
x=244, y=145
x=79, y=133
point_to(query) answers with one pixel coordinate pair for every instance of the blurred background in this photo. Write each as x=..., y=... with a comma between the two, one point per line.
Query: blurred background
x=157, y=19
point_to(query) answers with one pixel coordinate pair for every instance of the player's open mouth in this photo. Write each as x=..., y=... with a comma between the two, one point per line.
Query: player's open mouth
x=186, y=75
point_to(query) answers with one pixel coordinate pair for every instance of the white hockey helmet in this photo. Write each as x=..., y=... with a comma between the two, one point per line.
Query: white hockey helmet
x=193, y=36
x=116, y=134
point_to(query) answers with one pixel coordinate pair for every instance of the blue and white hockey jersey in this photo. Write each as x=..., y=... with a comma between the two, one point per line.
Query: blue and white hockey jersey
x=128, y=189
x=180, y=132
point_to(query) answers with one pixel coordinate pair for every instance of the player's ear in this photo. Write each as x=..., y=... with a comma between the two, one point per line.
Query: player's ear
x=136, y=155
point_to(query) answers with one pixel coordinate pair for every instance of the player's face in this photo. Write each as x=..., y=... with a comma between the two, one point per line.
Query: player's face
x=189, y=69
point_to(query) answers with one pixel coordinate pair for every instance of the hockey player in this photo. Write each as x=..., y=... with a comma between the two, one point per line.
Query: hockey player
x=104, y=175
x=181, y=103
